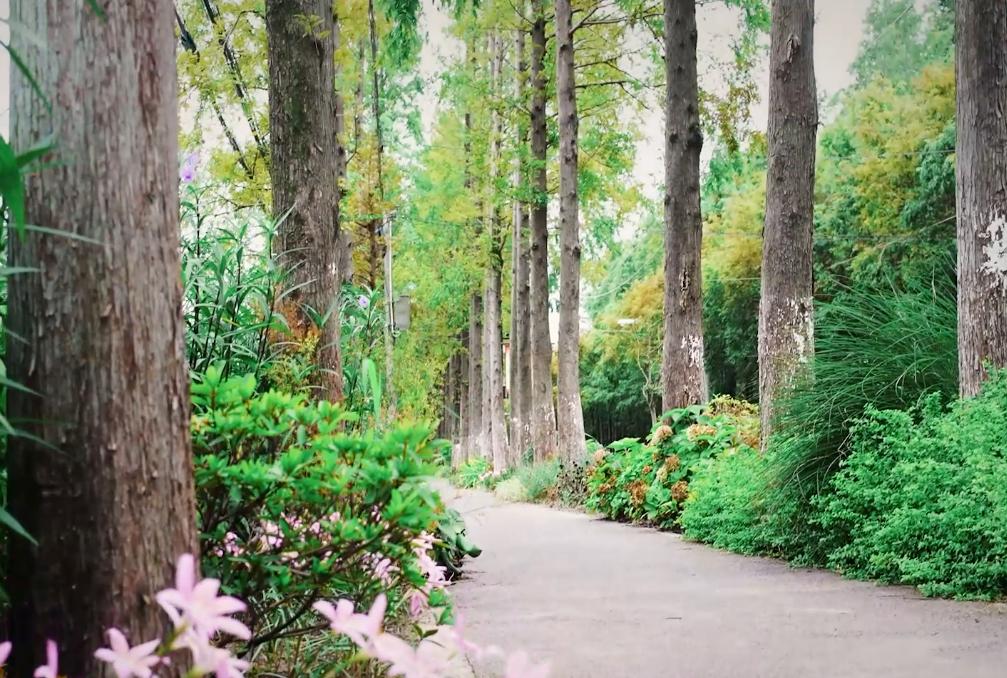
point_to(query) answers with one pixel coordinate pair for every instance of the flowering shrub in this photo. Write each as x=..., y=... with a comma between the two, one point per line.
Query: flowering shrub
x=473, y=472
x=649, y=483
x=292, y=509
x=201, y=618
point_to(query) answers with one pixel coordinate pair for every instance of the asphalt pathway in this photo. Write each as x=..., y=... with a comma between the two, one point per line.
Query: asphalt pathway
x=604, y=600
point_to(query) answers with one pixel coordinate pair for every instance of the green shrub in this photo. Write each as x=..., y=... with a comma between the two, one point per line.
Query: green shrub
x=292, y=509
x=472, y=473
x=571, y=483
x=649, y=483
x=538, y=480
x=511, y=489
x=877, y=347
x=922, y=497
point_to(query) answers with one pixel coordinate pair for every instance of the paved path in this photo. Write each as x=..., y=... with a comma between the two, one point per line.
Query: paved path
x=604, y=600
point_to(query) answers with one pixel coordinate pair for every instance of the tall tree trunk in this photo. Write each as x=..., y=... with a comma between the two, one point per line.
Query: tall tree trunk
x=570, y=417
x=520, y=363
x=462, y=440
x=543, y=413
x=344, y=262
x=475, y=444
x=104, y=482
x=786, y=309
x=496, y=421
x=683, y=372
x=981, y=65
x=304, y=174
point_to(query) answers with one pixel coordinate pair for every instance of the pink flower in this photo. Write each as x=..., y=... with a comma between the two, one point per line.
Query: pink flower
x=417, y=603
x=51, y=667
x=426, y=661
x=197, y=606
x=4, y=652
x=187, y=173
x=520, y=666
x=360, y=628
x=456, y=634
x=209, y=659
x=128, y=661
x=431, y=570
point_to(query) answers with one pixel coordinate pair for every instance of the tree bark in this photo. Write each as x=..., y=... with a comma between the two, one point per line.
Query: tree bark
x=105, y=482
x=786, y=309
x=520, y=335
x=543, y=413
x=475, y=446
x=570, y=417
x=683, y=372
x=981, y=168
x=458, y=455
x=304, y=174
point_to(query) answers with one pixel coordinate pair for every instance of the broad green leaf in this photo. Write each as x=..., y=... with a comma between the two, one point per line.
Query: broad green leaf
x=10, y=521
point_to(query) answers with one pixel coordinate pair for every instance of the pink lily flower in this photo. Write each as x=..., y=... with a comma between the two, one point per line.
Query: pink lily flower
x=51, y=667
x=5, y=648
x=520, y=666
x=129, y=661
x=360, y=628
x=209, y=659
x=426, y=661
x=198, y=606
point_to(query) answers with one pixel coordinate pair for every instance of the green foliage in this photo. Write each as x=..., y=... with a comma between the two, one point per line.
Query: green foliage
x=880, y=347
x=649, y=483
x=921, y=498
x=472, y=473
x=453, y=544
x=538, y=480
x=293, y=509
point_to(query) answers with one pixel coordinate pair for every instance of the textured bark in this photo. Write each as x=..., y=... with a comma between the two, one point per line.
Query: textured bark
x=570, y=416
x=496, y=421
x=981, y=64
x=344, y=263
x=543, y=413
x=786, y=312
x=459, y=449
x=683, y=372
x=109, y=497
x=304, y=175
x=474, y=446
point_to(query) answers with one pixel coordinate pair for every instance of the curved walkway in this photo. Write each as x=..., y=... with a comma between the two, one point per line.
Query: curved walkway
x=604, y=600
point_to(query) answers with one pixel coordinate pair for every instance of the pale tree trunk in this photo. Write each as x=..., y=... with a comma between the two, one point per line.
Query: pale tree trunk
x=344, y=261
x=496, y=421
x=570, y=417
x=543, y=413
x=462, y=439
x=105, y=482
x=475, y=443
x=520, y=336
x=786, y=310
x=304, y=175
x=981, y=65
x=683, y=372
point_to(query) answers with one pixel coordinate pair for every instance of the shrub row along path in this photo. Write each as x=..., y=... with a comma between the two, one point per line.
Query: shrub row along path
x=604, y=600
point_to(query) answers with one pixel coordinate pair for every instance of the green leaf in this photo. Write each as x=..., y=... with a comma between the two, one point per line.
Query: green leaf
x=11, y=188
x=37, y=150
x=96, y=8
x=16, y=59
x=16, y=527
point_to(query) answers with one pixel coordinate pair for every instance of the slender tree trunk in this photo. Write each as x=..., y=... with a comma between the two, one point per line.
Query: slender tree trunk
x=543, y=414
x=104, y=482
x=460, y=446
x=570, y=417
x=786, y=309
x=683, y=372
x=475, y=444
x=305, y=174
x=344, y=263
x=520, y=336
x=981, y=65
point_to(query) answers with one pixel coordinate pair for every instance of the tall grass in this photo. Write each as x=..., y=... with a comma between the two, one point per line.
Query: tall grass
x=877, y=346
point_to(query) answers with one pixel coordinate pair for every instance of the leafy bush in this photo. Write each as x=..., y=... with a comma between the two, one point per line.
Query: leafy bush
x=472, y=473
x=571, y=483
x=649, y=483
x=293, y=509
x=921, y=499
x=875, y=347
x=538, y=480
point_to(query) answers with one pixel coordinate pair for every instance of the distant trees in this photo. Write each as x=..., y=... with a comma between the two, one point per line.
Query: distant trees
x=103, y=475
x=786, y=309
x=683, y=371
x=981, y=154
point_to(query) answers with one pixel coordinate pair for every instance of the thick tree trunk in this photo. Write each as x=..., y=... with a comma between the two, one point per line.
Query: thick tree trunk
x=543, y=413
x=570, y=417
x=304, y=175
x=786, y=310
x=105, y=482
x=683, y=372
x=981, y=65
